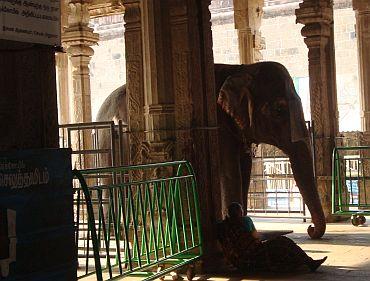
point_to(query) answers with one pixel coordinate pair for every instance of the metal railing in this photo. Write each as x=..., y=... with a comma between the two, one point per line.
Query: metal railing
x=351, y=180
x=95, y=144
x=127, y=225
x=272, y=189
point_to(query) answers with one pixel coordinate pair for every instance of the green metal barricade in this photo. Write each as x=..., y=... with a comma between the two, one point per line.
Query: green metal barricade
x=351, y=182
x=137, y=220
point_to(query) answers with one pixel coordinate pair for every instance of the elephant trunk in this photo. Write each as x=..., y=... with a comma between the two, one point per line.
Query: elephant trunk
x=302, y=166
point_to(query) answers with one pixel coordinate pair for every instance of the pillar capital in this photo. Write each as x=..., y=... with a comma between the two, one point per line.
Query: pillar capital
x=78, y=36
x=315, y=12
x=248, y=16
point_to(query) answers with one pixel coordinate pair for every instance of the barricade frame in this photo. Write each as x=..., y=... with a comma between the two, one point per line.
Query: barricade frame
x=347, y=207
x=185, y=254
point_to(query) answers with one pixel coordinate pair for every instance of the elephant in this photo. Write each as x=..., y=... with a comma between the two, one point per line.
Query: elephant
x=257, y=103
x=114, y=108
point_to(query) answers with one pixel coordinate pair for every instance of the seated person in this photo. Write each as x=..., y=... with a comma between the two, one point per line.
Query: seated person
x=244, y=250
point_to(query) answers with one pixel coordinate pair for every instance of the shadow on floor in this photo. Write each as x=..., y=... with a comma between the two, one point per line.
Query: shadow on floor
x=326, y=272
x=352, y=239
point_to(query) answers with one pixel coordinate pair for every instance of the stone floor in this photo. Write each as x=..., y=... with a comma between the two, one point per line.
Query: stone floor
x=347, y=248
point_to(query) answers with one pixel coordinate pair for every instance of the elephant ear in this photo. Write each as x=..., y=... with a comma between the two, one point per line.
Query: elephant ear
x=298, y=127
x=236, y=100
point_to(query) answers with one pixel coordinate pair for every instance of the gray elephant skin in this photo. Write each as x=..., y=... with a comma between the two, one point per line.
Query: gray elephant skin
x=257, y=103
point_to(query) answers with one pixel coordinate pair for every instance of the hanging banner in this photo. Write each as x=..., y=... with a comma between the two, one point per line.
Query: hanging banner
x=34, y=21
x=36, y=216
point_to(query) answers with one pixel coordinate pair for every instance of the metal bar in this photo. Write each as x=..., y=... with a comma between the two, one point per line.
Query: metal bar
x=91, y=224
x=152, y=224
x=160, y=222
x=126, y=230
x=169, y=195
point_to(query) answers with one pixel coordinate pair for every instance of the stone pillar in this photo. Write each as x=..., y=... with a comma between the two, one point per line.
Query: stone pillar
x=159, y=96
x=362, y=11
x=317, y=17
x=78, y=38
x=62, y=66
x=248, y=16
x=135, y=78
x=178, y=109
x=62, y=85
x=196, y=108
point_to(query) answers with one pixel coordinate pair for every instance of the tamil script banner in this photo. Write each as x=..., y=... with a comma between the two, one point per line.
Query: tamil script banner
x=36, y=216
x=34, y=21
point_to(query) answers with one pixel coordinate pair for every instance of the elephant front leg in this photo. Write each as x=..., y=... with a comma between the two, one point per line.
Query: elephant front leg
x=230, y=172
x=245, y=172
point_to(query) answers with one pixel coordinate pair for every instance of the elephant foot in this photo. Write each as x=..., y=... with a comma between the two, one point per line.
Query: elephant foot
x=314, y=232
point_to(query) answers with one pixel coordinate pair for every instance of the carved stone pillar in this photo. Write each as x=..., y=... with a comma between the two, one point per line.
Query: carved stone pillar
x=78, y=38
x=248, y=16
x=195, y=108
x=62, y=86
x=317, y=17
x=159, y=96
x=135, y=78
x=362, y=11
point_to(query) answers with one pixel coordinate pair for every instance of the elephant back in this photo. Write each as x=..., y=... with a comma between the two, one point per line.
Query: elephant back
x=222, y=71
x=114, y=107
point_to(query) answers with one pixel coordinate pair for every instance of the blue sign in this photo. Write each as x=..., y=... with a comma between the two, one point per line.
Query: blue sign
x=36, y=216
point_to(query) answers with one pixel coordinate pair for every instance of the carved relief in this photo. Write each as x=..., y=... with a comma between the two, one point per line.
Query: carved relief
x=134, y=72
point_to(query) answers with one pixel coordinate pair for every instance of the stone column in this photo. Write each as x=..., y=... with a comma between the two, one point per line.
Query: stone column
x=135, y=78
x=78, y=38
x=317, y=17
x=62, y=66
x=62, y=85
x=195, y=108
x=248, y=16
x=159, y=96
x=362, y=11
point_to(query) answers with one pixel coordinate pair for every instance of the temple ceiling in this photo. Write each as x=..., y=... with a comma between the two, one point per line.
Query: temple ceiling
x=100, y=8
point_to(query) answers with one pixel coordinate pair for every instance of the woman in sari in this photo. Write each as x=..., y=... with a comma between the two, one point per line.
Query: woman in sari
x=244, y=250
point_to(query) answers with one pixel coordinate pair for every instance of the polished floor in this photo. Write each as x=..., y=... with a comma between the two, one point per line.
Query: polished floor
x=347, y=248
